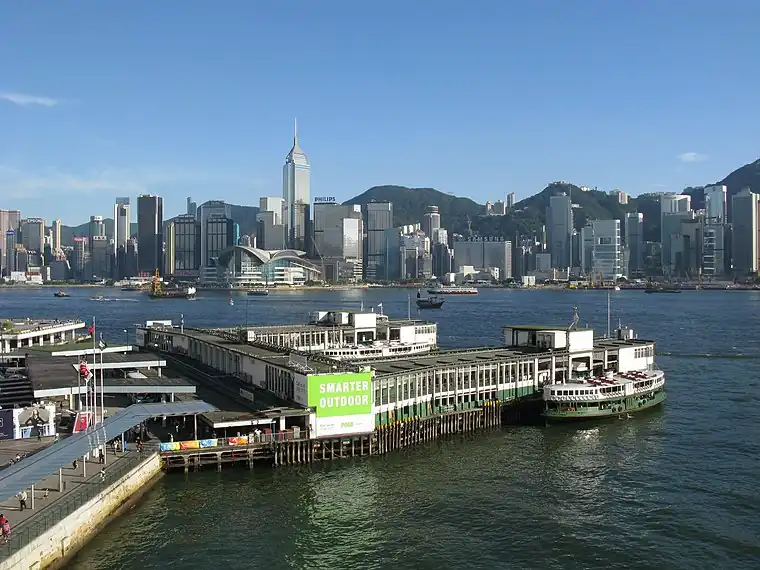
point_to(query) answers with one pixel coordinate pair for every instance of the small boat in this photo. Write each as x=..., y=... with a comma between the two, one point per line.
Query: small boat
x=98, y=298
x=61, y=294
x=258, y=292
x=232, y=302
x=430, y=303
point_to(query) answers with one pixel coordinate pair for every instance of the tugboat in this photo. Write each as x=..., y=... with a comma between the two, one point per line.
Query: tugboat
x=158, y=291
x=61, y=294
x=429, y=303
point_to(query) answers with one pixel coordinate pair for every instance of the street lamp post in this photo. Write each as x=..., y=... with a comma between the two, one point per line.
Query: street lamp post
x=126, y=337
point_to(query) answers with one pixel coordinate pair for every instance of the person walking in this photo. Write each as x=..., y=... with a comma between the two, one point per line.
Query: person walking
x=22, y=497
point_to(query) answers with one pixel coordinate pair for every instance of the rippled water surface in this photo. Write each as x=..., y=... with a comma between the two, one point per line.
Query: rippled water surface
x=675, y=488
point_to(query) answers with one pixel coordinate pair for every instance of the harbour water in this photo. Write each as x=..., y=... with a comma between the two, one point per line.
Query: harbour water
x=674, y=488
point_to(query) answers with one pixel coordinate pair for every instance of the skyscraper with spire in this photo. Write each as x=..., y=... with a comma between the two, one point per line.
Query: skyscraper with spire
x=296, y=190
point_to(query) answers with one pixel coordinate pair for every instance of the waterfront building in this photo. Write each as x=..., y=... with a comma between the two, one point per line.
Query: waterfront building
x=100, y=258
x=443, y=258
x=415, y=260
x=602, y=250
x=354, y=397
x=681, y=241
x=33, y=234
x=673, y=208
x=745, y=235
x=96, y=228
x=19, y=334
x=79, y=257
x=241, y=266
x=716, y=219
x=270, y=232
x=634, y=241
x=150, y=222
x=10, y=241
x=275, y=205
x=484, y=254
x=215, y=235
x=9, y=220
x=296, y=192
x=379, y=218
x=183, y=250
x=559, y=226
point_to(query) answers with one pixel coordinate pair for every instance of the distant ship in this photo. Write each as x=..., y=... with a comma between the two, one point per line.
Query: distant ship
x=429, y=303
x=453, y=291
x=159, y=291
x=61, y=294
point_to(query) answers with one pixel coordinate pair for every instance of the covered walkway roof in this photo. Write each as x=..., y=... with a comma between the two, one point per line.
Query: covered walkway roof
x=32, y=470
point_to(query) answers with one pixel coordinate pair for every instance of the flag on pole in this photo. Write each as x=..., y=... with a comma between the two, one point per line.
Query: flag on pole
x=91, y=330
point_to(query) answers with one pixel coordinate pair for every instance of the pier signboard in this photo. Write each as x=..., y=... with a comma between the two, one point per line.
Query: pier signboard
x=343, y=403
x=6, y=424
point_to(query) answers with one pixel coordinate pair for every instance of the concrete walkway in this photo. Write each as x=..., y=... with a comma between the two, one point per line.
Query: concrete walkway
x=10, y=447
x=47, y=495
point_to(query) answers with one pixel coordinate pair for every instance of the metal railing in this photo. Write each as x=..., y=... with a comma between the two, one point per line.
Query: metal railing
x=253, y=440
x=53, y=513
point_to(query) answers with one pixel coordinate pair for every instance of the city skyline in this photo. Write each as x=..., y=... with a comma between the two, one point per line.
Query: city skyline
x=161, y=125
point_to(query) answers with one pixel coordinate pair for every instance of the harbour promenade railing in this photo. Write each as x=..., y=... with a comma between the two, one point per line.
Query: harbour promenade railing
x=46, y=517
x=242, y=441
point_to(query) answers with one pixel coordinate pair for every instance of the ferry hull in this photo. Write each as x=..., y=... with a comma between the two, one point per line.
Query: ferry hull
x=559, y=417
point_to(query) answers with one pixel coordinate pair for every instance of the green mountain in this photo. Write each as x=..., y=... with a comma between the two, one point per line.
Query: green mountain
x=410, y=205
x=746, y=176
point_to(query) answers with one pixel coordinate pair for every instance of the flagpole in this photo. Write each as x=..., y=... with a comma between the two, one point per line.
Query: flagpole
x=93, y=405
x=102, y=391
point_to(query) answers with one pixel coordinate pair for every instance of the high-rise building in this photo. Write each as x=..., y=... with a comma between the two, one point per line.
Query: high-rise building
x=192, y=207
x=10, y=242
x=714, y=262
x=217, y=234
x=337, y=235
x=216, y=209
x=379, y=218
x=150, y=239
x=745, y=237
x=276, y=205
x=634, y=241
x=33, y=234
x=79, y=257
x=100, y=257
x=96, y=228
x=602, y=250
x=510, y=200
x=485, y=255
x=122, y=229
x=57, y=241
x=431, y=221
x=9, y=220
x=296, y=192
x=559, y=226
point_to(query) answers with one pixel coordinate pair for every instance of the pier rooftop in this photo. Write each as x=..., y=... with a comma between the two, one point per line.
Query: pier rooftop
x=272, y=354
x=16, y=326
x=124, y=373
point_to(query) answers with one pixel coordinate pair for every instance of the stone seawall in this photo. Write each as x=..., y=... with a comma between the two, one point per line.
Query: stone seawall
x=53, y=549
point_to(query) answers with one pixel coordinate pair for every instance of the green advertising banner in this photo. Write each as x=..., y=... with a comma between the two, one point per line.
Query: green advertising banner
x=336, y=395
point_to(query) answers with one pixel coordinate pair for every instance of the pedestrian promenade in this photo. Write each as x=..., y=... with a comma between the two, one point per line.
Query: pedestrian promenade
x=50, y=505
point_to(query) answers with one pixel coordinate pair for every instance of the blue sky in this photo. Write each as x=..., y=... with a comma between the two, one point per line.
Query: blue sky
x=478, y=98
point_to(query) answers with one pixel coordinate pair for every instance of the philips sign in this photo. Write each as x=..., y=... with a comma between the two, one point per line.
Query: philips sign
x=325, y=200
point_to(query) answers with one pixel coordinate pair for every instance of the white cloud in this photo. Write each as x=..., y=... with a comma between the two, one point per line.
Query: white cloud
x=692, y=157
x=26, y=100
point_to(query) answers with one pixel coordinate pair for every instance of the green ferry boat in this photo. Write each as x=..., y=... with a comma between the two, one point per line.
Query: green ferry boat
x=610, y=396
